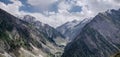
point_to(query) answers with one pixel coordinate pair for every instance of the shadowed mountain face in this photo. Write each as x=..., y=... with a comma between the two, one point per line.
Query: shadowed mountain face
x=99, y=38
x=21, y=39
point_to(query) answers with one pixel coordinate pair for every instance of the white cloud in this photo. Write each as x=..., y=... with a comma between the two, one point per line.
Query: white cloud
x=63, y=7
x=89, y=9
x=12, y=8
x=101, y=5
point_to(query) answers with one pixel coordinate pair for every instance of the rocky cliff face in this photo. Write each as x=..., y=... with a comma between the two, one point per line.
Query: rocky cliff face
x=21, y=39
x=99, y=38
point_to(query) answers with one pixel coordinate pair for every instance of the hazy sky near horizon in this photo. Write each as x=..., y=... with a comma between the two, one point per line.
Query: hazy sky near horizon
x=57, y=12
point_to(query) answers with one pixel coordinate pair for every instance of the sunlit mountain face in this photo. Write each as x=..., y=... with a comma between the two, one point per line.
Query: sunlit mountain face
x=59, y=28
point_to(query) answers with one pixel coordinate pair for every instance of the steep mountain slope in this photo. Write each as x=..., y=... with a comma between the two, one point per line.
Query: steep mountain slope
x=99, y=38
x=70, y=29
x=49, y=32
x=21, y=39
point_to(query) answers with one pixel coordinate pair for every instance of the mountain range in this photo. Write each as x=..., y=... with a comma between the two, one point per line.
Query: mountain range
x=92, y=37
x=49, y=32
x=21, y=38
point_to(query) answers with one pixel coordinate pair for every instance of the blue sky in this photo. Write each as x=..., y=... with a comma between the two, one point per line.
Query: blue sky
x=57, y=12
